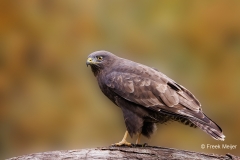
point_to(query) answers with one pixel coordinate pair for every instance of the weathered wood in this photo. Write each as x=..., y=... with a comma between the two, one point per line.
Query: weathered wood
x=148, y=152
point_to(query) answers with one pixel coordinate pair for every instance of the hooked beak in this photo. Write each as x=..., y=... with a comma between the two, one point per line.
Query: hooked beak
x=89, y=61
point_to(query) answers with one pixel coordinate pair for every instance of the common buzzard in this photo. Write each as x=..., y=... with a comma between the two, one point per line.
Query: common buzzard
x=147, y=96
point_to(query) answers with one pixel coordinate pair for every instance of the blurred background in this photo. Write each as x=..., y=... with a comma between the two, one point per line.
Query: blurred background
x=50, y=100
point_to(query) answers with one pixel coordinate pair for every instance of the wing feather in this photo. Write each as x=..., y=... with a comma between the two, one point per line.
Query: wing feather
x=148, y=87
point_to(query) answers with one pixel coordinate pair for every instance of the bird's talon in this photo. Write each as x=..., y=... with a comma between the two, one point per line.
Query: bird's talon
x=123, y=143
x=145, y=145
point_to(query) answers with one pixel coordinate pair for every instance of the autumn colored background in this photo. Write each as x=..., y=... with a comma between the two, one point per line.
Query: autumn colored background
x=50, y=100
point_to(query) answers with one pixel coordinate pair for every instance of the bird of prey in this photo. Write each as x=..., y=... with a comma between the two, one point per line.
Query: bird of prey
x=147, y=96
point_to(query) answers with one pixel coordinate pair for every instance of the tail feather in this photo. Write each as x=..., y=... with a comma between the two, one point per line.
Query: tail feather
x=195, y=119
x=210, y=127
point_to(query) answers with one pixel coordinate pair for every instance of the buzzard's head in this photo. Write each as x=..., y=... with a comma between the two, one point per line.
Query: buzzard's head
x=99, y=60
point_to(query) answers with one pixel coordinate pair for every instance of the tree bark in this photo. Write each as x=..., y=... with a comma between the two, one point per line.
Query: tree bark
x=137, y=152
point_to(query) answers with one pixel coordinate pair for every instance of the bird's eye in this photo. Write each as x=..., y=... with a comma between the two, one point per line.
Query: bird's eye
x=99, y=57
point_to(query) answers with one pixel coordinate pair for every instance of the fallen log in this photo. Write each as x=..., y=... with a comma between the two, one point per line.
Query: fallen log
x=135, y=152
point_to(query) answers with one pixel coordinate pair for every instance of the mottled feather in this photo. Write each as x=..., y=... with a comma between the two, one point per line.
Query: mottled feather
x=147, y=96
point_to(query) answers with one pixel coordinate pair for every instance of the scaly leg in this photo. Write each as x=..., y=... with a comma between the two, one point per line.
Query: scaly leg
x=138, y=139
x=123, y=141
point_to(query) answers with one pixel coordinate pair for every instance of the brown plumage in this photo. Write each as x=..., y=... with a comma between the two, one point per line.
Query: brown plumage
x=147, y=96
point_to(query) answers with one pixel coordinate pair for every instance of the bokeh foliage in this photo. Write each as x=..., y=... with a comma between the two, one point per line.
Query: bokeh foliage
x=50, y=100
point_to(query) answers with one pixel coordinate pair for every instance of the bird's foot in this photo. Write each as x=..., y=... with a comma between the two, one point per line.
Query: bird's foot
x=140, y=145
x=123, y=143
